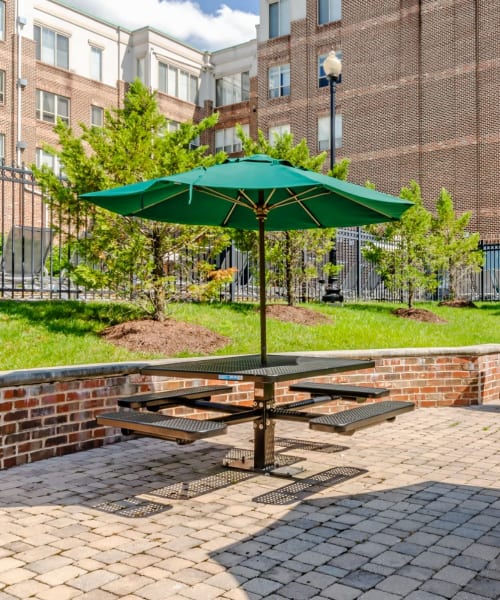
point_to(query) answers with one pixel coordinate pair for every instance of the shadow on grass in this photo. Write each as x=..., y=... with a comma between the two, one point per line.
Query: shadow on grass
x=241, y=308
x=490, y=307
x=375, y=308
x=70, y=317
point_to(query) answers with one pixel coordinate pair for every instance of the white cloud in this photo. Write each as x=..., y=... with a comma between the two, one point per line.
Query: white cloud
x=184, y=20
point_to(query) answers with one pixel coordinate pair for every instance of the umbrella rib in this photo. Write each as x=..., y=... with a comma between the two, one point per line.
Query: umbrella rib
x=300, y=197
x=229, y=214
x=249, y=204
x=307, y=211
x=269, y=198
x=132, y=213
x=211, y=192
x=363, y=204
x=297, y=199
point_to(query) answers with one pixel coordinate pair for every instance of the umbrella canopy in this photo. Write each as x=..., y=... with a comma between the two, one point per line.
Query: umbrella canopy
x=255, y=192
x=234, y=193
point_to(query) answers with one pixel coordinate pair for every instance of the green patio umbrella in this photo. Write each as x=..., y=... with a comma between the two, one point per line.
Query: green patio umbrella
x=255, y=192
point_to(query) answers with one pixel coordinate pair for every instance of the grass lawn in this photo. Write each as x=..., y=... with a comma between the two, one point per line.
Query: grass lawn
x=52, y=333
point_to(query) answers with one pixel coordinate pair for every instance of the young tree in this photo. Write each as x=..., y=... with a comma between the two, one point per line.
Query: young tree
x=402, y=251
x=454, y=247
x=134, y=144
x=290, y=251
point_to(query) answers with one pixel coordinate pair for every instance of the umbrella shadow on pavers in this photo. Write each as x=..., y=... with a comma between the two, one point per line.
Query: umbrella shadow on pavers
x=494, y=408
x=139, y=477
x=428, y=540
x=405, y=510
x=134, y=478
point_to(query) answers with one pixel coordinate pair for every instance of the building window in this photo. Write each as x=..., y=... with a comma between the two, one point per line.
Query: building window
x=173, y=126
x=50, y=107
x=195, y=143
x=178, y=83
x=322, y=78
x=140, y=69
x=232, y=89
x=2, y=87
x=96, y=116
x=49, y=160
x=324, y=133
x=51, y=47
x=277, y=131
x=96, y=63
x=2, y=148
x=329, y=11
x=279, y=81
x=279, y=18
x=226, y=139
x=2, y=20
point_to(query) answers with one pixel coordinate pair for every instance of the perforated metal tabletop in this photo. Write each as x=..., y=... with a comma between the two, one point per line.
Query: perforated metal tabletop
x=248, y=367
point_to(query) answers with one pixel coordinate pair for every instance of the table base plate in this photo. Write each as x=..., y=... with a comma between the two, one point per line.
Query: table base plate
x=241, y=459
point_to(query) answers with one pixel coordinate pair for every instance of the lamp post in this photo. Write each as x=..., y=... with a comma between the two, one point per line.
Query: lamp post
x=333, y=71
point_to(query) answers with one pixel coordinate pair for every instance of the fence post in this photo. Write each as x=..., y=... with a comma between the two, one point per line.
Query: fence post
x=481, y=247
x=358, y=265
x=231, y=265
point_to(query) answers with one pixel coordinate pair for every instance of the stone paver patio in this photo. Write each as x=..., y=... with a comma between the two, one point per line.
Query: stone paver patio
x=149, y=520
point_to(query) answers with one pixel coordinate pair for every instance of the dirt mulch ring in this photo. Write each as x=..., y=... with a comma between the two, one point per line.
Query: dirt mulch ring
x=173, y=337
x=167, y=338
x=296, y=314
x=418, y=314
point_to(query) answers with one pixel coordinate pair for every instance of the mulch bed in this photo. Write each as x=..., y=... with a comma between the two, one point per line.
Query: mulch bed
x=296, y=314
x=418, y=314
x=167, y=338
x=170, y=337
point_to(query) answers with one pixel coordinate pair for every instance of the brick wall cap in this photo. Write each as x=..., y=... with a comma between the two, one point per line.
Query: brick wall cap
x=56, y=374
x=477, y=350
x=68, y=373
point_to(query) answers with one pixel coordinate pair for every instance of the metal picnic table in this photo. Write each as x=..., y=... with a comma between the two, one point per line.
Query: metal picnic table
x=263, y=413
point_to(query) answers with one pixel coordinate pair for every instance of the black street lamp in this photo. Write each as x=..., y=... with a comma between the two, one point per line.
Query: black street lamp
x=333, y=71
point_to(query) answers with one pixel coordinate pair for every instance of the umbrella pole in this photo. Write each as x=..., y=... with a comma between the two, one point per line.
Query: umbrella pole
x=262, y=290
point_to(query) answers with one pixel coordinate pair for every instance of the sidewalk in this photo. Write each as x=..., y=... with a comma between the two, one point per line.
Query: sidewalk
x=409, y=510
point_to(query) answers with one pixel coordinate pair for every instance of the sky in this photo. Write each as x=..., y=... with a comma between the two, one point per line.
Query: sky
x=206, y=24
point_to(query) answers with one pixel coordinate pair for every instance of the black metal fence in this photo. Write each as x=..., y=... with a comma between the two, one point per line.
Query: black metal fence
x=33, y=246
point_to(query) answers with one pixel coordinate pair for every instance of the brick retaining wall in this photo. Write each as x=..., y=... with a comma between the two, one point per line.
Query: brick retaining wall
x=51, y=412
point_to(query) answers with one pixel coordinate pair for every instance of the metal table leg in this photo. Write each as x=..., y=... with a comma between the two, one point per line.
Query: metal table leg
x=264, y=428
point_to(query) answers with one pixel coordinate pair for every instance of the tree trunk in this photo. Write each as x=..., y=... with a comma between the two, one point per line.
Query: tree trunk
x=410, y=295
x=451, y=282
x=158, y=291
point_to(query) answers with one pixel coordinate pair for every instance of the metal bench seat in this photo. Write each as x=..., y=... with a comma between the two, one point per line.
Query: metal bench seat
x=338, y=390
x=179, y=429
x=349, y=421
x=154, y=401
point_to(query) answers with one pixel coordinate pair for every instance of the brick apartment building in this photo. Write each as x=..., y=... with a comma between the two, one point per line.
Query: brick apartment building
x=419, y=97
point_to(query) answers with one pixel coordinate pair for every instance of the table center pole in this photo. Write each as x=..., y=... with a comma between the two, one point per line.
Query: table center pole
x=262, y=289
x=264, y=427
